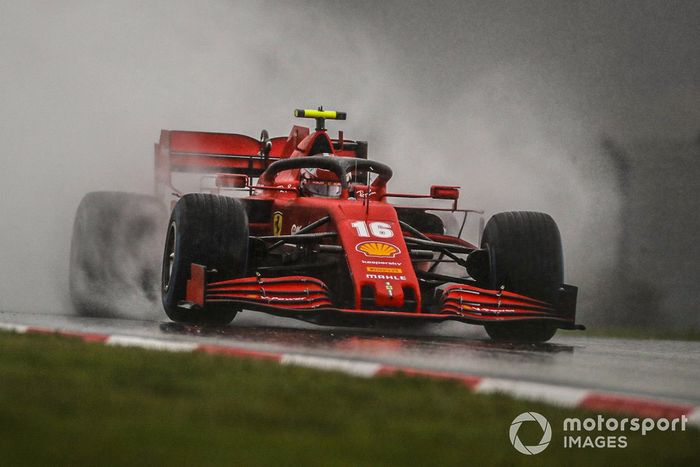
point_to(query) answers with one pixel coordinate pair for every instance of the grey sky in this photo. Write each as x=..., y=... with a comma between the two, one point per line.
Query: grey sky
x=632, y=67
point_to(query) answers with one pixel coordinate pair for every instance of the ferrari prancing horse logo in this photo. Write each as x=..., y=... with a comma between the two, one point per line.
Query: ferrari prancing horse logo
x=277, y=219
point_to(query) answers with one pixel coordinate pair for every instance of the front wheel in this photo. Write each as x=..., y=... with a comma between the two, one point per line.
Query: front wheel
x=211, y=231
x=526, y=258
x=521, y=332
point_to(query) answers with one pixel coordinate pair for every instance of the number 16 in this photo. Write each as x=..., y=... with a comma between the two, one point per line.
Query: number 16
x=378, y=229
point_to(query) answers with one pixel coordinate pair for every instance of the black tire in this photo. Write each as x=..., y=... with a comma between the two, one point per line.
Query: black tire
x=208, y=230
x=526, y=258
x=115, y=255
x=521, y=332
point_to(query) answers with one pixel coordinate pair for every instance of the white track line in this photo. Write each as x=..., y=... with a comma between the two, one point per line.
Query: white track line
x=557, y=395
x=694, y=418
x=351, y=367
x=18, y=328
x=153, y=344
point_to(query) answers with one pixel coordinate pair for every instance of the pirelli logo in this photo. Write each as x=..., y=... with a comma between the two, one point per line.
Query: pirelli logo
x=385, y=270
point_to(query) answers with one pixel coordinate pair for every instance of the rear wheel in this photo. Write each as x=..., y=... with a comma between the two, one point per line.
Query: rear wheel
x=115, y=259
x=208, y=230
x=526, y=258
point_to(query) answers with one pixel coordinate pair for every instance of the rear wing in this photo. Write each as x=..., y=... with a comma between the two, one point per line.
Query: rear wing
x=230, y=153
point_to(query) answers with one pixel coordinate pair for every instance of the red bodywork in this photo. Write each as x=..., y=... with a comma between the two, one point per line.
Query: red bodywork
x=382, y=257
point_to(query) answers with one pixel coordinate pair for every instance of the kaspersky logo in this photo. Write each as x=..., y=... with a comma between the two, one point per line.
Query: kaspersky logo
x=546, y=433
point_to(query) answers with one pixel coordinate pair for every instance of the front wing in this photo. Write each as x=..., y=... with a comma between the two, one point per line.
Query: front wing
x=308, y=299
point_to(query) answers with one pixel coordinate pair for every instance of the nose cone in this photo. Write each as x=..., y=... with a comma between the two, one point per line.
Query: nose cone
x=378, y=259
x=388, y=291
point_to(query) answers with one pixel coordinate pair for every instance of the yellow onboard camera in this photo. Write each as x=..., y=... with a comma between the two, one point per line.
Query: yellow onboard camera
x=320, y=116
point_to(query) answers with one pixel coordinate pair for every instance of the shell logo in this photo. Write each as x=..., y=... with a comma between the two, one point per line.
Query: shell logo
x=378, y=249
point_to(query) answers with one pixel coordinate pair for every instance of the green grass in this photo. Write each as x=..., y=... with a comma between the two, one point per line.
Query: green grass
x=64, y=402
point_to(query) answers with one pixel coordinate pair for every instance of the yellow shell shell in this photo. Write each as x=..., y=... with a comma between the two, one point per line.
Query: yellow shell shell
x=380, y=249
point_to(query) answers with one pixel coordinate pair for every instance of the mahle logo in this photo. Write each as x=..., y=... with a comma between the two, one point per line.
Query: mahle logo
x=546, y=433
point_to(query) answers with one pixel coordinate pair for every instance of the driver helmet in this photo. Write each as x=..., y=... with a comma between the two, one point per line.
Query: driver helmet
x=320, y=182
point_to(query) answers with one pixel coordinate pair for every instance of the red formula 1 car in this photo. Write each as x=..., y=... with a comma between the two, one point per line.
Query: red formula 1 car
x=315, y=237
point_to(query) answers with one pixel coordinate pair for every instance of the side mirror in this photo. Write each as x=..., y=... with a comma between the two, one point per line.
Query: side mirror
x=232, y=181
x=444, y=192
x=265, y=146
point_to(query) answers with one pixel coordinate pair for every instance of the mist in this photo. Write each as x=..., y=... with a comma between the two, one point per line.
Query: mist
x=508, y=102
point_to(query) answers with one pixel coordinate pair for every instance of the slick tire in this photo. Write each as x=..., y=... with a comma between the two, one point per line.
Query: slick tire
x=115, y=255
x=526, y=258
x=208, y=230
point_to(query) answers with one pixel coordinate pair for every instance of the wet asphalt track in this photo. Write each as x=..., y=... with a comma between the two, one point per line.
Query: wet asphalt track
x=660, y=369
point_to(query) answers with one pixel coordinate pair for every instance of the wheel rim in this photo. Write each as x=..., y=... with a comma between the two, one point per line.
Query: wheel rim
x=169, y=257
